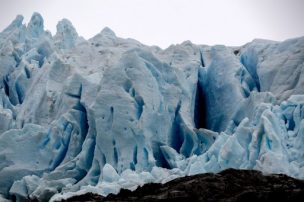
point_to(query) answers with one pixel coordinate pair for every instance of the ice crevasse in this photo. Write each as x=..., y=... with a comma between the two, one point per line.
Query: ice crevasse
x=107, y=113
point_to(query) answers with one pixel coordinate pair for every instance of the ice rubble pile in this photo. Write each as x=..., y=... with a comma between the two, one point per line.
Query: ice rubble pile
x=107, y=113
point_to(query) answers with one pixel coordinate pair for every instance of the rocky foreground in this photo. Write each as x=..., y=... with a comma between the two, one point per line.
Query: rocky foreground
x=228, y=185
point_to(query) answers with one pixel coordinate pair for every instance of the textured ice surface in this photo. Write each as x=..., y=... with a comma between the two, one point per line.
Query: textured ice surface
x=107, y=113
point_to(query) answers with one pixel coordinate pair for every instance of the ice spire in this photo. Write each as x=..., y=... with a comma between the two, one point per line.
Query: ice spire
x=36, y=25
x=66, y=35
x=15, y=24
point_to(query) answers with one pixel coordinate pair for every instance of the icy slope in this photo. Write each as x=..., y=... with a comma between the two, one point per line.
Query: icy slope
x=107, y=113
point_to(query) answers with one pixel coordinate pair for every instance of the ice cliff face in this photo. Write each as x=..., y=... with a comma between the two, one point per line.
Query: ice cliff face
x=97, y=115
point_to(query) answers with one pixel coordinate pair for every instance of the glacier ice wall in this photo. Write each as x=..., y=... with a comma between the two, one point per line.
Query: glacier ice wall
x=107, y=113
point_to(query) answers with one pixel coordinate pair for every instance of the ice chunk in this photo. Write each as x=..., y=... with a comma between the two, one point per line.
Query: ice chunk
x=109, y=173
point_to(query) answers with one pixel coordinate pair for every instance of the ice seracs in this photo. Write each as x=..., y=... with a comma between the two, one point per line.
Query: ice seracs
x=107, y=113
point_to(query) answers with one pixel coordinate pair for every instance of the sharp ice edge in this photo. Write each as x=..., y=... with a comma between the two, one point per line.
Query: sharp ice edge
x=107, y=113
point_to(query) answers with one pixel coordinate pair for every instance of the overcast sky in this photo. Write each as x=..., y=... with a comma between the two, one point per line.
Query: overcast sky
x=165, y=22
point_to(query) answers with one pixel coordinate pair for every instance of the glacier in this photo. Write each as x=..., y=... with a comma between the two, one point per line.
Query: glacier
x=107, y=113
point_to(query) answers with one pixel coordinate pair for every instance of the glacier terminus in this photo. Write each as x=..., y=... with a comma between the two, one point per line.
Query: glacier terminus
x=107, y=113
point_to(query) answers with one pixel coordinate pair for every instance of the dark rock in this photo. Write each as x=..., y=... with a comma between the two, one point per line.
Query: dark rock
x=229, y=185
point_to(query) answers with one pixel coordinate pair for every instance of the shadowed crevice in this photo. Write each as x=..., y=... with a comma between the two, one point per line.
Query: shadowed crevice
x=200, y=109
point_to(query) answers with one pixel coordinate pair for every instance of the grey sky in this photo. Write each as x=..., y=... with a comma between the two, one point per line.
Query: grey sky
x=163, y=22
